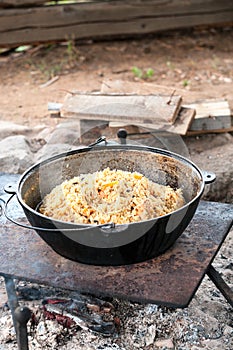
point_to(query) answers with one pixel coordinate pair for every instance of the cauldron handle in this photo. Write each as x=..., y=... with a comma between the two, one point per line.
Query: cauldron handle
x=99, y=141
x=4, y=207
x=208, y=176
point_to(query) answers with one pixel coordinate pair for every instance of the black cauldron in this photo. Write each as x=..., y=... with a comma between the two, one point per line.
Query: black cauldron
x=112, y=244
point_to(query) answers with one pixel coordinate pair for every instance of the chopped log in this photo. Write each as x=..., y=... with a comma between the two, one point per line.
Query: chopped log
x=155, y=110
x=107, y=19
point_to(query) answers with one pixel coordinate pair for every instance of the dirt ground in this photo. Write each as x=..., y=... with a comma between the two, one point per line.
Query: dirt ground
x=196, y=60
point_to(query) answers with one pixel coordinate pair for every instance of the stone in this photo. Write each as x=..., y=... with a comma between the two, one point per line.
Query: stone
x=86, y=125
x=205, y=142
x=50, y=150
x=164, y=343
x=228, y=330
x=150, y=335
x=45, y=134
x=212, y=344
x=64, y=135
x=219, y=161
x=15, y=154
x=10, y=129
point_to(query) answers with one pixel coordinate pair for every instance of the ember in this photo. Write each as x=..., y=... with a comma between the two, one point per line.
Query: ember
x=87, y=316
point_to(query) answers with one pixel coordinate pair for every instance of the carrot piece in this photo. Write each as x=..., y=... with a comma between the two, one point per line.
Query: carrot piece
x=137, y=176
x=109, y=184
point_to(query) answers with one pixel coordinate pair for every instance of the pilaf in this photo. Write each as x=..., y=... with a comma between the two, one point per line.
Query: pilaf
x=106, y=196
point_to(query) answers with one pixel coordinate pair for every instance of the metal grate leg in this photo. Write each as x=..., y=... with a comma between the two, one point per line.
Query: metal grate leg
x=20, y=314
x=220, y=284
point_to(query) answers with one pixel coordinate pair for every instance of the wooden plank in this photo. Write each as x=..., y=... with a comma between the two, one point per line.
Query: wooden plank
x=210, y=115
x=159, y=111
x=214, y=131
x=183, y=121
x=21, y=3
x=107, y=18
x=180, y=126
x=185, y=115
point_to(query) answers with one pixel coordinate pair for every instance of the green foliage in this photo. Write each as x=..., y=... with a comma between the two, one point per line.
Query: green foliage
x=150, y=73
x=137, y=72
x=142, y=74
x=51, y=71
x=72, y=51
x=185, y=82
x=57, y=65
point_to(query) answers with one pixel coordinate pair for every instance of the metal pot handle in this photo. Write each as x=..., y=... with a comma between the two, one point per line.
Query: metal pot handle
x=4, y=207
x=208, y=176
x=100, y=140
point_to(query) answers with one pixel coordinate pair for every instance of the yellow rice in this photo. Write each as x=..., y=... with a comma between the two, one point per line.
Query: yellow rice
x=114, y=196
